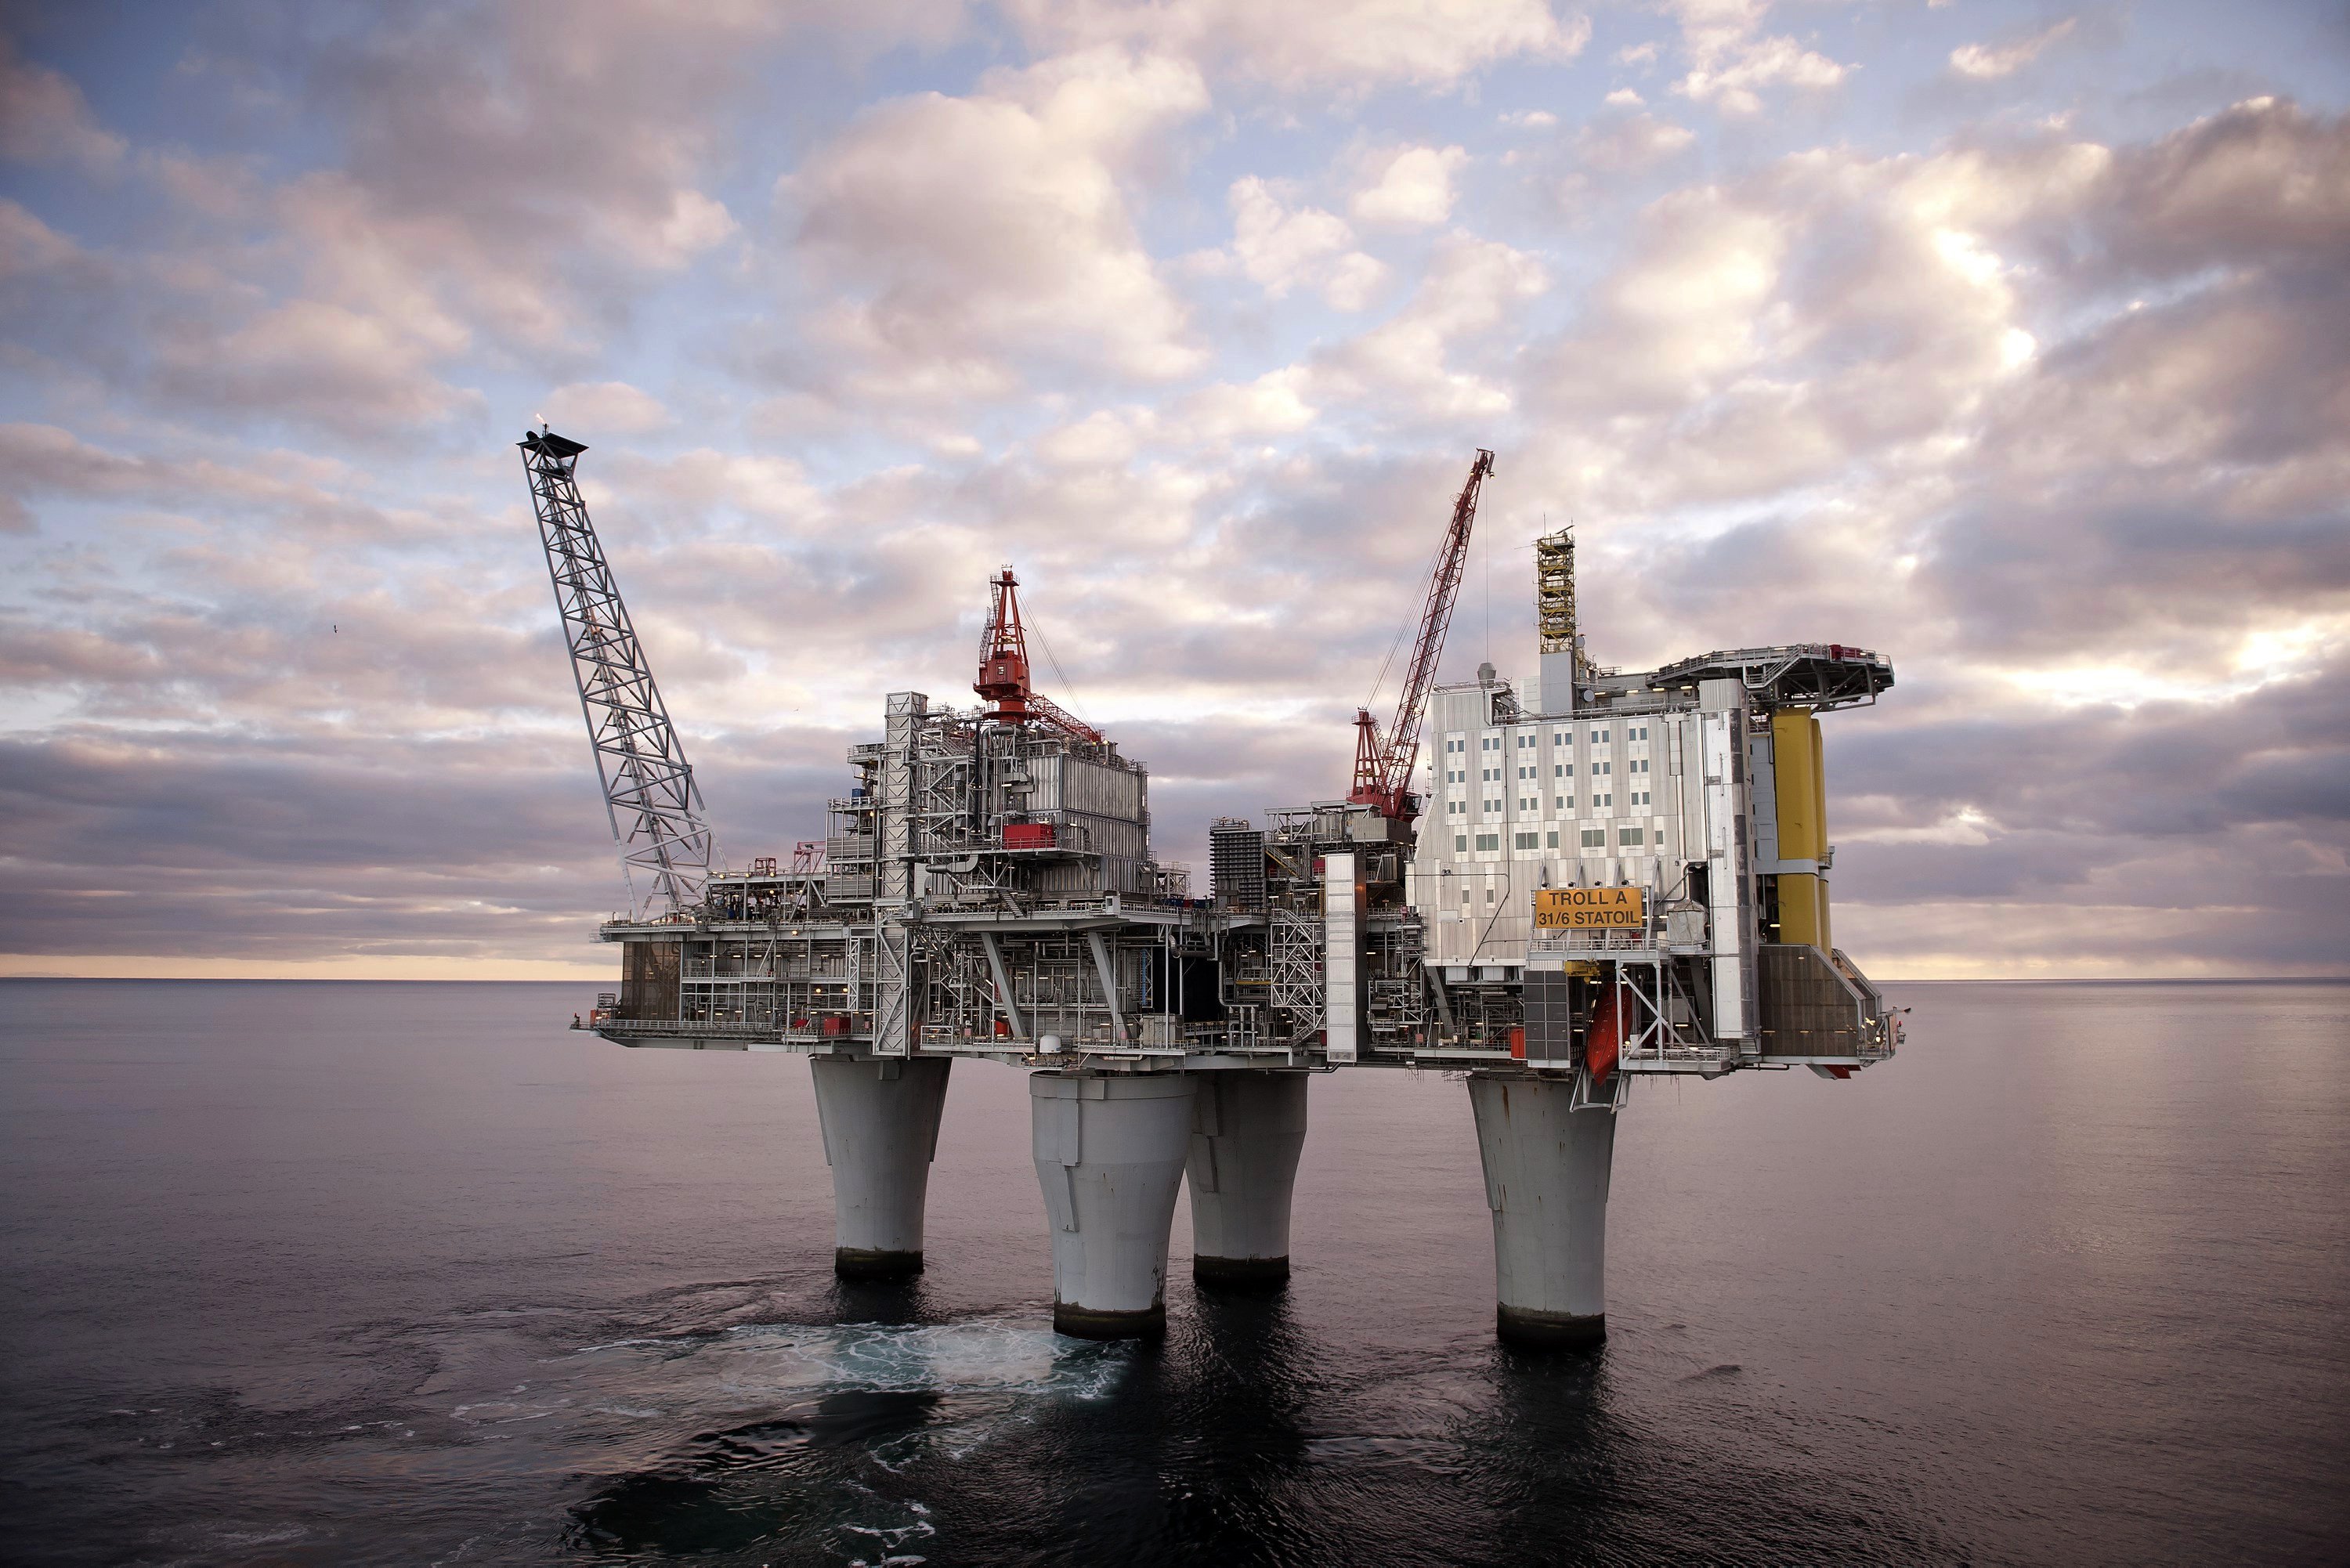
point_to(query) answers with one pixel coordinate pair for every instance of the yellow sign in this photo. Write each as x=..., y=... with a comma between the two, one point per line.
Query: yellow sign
x=1588, y=909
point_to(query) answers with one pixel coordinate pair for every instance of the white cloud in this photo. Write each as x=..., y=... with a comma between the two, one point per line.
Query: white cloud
x=1273, y=404
x=1730, y=66
x=1632, y=144
x=1409, y=365
x=1280, y=248
x=26, y=243
x=44, y=118
x=969, y=233
x=1355, y=282
x=1412, y=188
x=1432, y=43
x=1105, y=437
x=774, y=489
x=337, y=365
x=614, y=407
x=1987, y=62
x=694, y=224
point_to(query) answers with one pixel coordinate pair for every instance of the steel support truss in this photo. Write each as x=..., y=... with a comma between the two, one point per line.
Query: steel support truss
x=1294, y=970
x=1649, y=989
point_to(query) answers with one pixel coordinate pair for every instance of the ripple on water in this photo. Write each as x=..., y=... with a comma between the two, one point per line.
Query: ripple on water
x=826, y=1420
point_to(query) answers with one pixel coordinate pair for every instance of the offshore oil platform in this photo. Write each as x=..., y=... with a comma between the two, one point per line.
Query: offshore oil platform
x=1613, y=875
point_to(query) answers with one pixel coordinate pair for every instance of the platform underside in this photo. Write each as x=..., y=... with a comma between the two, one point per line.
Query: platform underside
x=1107, y=1059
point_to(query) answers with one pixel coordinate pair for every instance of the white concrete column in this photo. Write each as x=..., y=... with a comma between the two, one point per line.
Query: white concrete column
x=1109, y=1155
x=881, y=1120
x=1247, y=1128
x=1546, y=1183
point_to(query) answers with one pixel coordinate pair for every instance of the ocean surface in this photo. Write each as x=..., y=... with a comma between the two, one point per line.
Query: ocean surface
x=334, y=1273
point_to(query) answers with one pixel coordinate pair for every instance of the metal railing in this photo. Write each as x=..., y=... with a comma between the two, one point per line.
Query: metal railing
x=1601, y=939
x=691, y=1028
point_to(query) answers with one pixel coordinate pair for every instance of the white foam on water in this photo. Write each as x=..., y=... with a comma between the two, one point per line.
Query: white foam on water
x=889, y=1537
x=246, y=1540
x=504, y=1412
x=634, y=1412
x=979, y=1355
x=760, y=1363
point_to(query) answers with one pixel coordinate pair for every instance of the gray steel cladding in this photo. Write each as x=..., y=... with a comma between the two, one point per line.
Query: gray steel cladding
x=1064, y=782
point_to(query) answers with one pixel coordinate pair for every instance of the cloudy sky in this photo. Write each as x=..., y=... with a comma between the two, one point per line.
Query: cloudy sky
x=2009, y=339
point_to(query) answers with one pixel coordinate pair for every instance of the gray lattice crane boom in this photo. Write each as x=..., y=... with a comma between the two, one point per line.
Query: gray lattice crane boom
x=649, y=789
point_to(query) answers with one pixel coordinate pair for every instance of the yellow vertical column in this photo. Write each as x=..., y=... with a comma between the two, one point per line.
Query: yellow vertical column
x=1801, y=786
x=1826, y=942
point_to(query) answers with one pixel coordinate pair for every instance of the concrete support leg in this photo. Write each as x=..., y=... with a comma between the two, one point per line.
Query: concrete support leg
x=881, y=1120
x=1247, y=1130
x=1546, y=1183
x=1109, y=1155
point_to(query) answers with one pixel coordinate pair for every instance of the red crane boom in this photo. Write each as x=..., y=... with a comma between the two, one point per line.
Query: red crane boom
x=1003, y=666
x=1383, y=771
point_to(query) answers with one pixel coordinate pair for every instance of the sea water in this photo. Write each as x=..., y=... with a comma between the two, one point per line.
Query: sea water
x=330, y=1273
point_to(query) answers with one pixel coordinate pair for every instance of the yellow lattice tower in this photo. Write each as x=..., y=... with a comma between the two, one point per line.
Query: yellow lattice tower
x=1555, y=614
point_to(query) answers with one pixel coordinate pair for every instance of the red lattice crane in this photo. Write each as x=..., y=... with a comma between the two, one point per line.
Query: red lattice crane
x=1383, y=769
x=1003, y=666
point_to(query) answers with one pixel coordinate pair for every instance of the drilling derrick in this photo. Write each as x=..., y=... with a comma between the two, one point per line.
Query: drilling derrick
x=1383, y=771
x=1003, y=666
x=649, y=789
